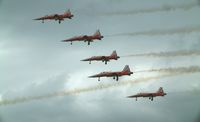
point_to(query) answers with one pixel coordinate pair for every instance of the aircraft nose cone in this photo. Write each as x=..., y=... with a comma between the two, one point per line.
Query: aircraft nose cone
x=84, y=60
x=93, y=76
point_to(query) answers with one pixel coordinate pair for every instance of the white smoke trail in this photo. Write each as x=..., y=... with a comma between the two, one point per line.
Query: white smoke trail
x=167, y=54
x=165, y=72
x=184, y=30
x=174, y=70
x=164, y=8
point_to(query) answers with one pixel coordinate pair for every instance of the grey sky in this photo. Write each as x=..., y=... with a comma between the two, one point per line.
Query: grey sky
x=34, y=62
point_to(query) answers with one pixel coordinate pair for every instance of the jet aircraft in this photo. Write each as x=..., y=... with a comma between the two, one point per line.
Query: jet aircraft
x=160, y=92
x=115, y=75
x=59, y=17
x=105, y=59
x=96, y=36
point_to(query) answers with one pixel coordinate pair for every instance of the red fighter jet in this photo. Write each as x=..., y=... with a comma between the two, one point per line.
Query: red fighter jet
x=160, y=92
x=105, y=59
x=115, y=75
x=59, y=17
x=96, y=36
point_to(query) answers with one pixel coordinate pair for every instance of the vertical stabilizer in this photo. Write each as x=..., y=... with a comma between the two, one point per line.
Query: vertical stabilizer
x=97, y=33
x=160, y=90
x=114, y=53
x=67, y=12
x=126, y=68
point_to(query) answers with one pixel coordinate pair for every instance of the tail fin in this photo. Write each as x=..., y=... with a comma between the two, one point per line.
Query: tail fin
x=126, y=68
x=114, y=53
x=97, y=33
x=67, y=12
x=160, y=90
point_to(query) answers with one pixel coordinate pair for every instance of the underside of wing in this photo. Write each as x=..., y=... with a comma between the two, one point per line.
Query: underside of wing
x=111, y=74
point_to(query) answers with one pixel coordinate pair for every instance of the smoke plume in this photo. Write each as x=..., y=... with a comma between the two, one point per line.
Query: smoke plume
x=184, y=30
x=174, y=70
x=164, y=8
x=167, y=54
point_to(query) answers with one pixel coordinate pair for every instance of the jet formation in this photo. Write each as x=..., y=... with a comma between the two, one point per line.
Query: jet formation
x=160, y=92
x=105, y=59
x=57, y=17
x=91, y=38
x=85, y=38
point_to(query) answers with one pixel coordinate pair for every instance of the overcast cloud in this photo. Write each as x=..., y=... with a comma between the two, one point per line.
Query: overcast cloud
x=34, y=62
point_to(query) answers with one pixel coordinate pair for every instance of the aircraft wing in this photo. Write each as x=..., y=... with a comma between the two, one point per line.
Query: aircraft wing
x=76, y=38
x=104, y=58
x=110, y=74
x=142, y=95
x=104, y=74
x=96, y=58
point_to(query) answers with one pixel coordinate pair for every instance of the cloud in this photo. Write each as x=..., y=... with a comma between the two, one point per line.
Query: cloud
x=34, y=71
x=1, y=120
x=198, y=118
x=52, y=84
x=167, y=73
